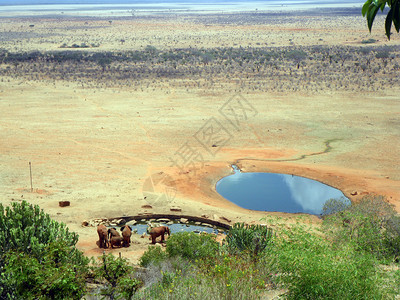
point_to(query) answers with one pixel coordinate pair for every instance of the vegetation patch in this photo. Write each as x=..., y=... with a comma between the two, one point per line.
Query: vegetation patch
x=38, y=257
x=369, y=41
x=353, y=255
x=280, y=69
x=253, y=239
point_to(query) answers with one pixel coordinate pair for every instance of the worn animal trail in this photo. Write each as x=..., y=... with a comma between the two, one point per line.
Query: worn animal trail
x=327, y=149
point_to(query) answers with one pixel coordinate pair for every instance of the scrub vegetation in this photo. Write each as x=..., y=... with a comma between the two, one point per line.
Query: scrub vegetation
x=311, y=69
x=354, y=254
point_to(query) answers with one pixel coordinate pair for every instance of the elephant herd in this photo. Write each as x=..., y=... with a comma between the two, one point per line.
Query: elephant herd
x=111, y=237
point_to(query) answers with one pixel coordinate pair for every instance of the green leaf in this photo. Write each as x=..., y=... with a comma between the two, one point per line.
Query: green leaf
x=396, y=16
x=382, y=5
x=388, y=22
x=365, y=7
x=372, y=11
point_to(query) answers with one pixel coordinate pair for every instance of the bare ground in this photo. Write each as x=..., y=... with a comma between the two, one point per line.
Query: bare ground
x=96, y=147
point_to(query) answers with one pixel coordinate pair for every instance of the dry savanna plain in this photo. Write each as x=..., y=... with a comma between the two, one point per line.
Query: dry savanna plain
x=106, y=109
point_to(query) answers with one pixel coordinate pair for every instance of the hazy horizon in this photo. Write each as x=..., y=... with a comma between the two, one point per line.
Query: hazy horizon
x=126, y=8
x=209, y=2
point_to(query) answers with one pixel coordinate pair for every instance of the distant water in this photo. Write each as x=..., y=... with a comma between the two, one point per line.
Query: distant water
x=277, y=192
x=120, y=8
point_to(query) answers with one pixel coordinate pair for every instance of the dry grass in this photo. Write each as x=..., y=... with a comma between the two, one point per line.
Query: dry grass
x=94, y=136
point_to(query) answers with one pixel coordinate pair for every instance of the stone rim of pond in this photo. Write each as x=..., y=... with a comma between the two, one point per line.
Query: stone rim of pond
x=148, y=217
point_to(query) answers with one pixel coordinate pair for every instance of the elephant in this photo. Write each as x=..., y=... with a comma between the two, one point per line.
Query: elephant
x=159, y=231
x=112, y=232
x=103, y=236
x=126, y=235
x=116, y=241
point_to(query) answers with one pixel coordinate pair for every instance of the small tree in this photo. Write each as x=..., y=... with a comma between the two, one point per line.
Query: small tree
x=384, y=55
x=104, y=62
x=38, y=255
x=297, y=56
x=26, y=228
x=119, y=277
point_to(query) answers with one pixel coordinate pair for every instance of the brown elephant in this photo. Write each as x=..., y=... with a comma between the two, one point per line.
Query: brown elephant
x=116, y=241
x=126, y=235
x=103, y=236
x=112, y=232
x=159, y=231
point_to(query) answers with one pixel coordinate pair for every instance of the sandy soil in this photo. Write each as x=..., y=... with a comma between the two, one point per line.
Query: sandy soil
x=98, y=148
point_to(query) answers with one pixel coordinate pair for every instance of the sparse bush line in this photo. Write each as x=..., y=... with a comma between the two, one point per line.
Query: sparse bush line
x=279, y=69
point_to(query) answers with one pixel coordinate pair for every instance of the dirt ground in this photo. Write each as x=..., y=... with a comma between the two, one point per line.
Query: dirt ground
x=104, y=149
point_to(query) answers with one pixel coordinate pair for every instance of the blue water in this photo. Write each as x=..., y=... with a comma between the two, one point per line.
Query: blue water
x=277, y=192
x=174, y=228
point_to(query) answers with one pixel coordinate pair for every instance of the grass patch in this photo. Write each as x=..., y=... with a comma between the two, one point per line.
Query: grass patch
x=369, y=41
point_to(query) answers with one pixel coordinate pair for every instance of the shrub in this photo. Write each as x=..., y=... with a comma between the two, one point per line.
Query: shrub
x=160, y=272
x=311, y=268
x=153, y=255
x=192, y=246
x=53, y=276
x=305, y=261
x=231, y=269
x=371, y=225
x=38, y=255
x=253, y=239
x=119, y=276
x=384, y=54
x=369, y=41
x=333, y=206
x=392, y=237
x=195, y=283
x=26, y=228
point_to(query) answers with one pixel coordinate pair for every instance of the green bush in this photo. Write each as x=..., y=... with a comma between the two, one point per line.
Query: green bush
x=311, y=268
x=371, y=225
x=231, y=269
x=153, y=255
x=161, y=272
x=197, y=283
x=119, y=276
x=192, y=246
x=26, y=228
x=253, y=239
x=38, y=255
x=207, y=275
x=305, y=262
x=333, y=206
x=392, y=237
x=369, y=41
x=56, y=275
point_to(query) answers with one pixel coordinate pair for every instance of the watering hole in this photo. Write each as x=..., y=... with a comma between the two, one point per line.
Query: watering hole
x=174, y=227
x=277, y=192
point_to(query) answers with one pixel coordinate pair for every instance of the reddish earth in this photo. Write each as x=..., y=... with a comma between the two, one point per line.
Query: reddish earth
x=97, y=147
